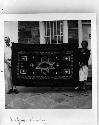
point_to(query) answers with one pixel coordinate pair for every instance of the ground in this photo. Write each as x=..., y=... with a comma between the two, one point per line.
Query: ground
x=48, y=98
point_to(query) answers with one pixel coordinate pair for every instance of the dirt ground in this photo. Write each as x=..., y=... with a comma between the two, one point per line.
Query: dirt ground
x=48, y=98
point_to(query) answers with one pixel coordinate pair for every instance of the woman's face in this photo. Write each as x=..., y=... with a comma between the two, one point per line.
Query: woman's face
x=84, y=45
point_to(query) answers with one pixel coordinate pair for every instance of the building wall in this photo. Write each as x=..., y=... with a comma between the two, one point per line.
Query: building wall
x=11, y=30
x=86, y=31
x=28, y=32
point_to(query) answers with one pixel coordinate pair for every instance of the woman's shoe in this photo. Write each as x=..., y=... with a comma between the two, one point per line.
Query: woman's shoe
x=85, y=93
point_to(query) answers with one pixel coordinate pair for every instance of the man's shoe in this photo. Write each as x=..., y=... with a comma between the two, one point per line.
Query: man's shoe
x=15, y=91
x=10, y=91
x=77, y=88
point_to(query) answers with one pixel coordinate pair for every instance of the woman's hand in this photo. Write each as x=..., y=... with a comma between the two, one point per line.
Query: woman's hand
x=81, y=64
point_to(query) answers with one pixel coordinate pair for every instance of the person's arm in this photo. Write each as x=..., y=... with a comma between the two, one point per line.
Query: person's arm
x=7, y=62
x=87, y=56
x=80, y=57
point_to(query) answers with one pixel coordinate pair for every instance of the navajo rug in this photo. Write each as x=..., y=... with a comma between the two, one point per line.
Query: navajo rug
x=44, y=65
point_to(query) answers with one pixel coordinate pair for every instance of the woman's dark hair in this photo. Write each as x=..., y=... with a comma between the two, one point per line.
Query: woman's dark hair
x=84, y=41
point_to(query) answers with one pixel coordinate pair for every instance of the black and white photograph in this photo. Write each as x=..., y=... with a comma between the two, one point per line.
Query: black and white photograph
x=49, y=69
x=48, y=64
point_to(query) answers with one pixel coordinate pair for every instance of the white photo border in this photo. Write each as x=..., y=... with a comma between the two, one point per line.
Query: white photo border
x=53, y=116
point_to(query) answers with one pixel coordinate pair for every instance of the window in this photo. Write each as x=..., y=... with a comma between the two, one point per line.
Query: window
x=48, y=32
x=53, y=32
x=86, y=21
x=28, y=32
x=73, y=31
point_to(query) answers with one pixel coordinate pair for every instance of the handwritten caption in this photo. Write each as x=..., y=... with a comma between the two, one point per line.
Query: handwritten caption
x=28, y=121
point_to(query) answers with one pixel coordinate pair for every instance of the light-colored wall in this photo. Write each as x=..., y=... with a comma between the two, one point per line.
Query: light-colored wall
x=86, y=30
x=11, y=30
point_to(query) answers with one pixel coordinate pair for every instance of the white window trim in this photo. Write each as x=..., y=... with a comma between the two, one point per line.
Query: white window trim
x=65, y=32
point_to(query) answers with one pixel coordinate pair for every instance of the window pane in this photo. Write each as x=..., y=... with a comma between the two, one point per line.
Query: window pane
x=54, y=30
x=47, y=39
x=73, y=31
x=28, y=32
x=60, y=39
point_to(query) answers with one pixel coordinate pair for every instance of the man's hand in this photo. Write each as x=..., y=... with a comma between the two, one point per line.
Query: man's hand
x=7, y=62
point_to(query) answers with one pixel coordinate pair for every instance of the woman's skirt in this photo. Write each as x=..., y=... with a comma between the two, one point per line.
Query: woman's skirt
x=83, y=73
